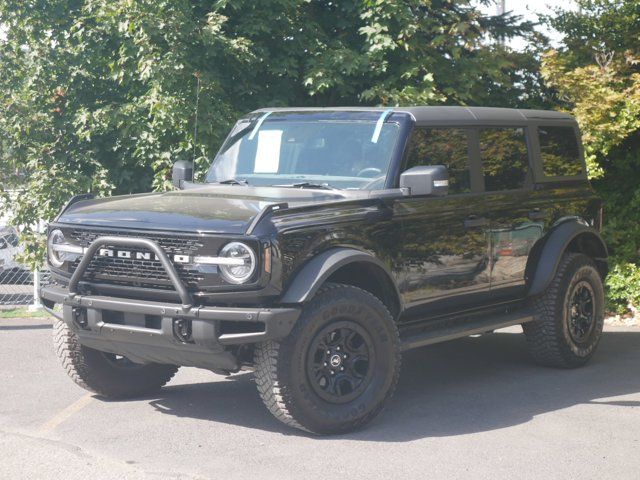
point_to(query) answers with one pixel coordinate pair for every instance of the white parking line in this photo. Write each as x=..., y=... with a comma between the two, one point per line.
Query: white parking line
x=65, y=414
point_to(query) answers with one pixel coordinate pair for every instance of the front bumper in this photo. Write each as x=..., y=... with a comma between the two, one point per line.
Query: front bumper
x=145, y=331
x=151, y=331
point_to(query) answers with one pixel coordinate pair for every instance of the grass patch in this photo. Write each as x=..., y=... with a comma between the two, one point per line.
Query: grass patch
x=22, y=312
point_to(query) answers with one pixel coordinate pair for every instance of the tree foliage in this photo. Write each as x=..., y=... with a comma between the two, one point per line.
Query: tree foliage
x=596, y=73
x=99, y=95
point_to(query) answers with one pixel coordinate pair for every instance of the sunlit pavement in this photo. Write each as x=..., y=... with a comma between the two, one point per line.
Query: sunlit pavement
x=473, y=408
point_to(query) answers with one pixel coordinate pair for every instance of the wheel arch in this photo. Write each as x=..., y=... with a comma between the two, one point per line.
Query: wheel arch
x=569, y=236
x=348, y=266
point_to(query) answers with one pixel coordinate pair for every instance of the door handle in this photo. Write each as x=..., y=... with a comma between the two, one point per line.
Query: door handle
x=537, y=214
x=474, y=222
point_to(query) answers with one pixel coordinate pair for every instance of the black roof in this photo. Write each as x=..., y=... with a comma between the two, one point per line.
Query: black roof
x=444, y=115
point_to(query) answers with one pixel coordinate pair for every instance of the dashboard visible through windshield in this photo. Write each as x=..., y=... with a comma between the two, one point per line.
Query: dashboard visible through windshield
x=346, y=150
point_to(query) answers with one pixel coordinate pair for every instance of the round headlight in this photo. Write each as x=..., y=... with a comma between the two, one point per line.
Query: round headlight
x=241, y=262
x=56, y=258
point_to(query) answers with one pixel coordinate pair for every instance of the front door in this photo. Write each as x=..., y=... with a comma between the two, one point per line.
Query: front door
x=444, y=260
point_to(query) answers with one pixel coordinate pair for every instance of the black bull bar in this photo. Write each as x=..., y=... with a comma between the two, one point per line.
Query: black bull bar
x=160, y=344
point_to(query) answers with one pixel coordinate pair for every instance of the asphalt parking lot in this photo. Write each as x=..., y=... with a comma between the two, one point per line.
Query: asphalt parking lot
x=473, y=408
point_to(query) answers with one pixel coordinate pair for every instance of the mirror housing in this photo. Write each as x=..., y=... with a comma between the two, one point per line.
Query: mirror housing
x=426, y=180
x=182, y=172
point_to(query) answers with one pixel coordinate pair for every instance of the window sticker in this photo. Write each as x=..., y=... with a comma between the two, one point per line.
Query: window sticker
x=268, y=152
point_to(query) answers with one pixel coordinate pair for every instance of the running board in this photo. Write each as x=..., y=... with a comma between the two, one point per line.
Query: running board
x=443, y=330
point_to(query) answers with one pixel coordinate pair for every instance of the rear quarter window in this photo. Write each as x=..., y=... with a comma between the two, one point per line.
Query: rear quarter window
x=559, y=152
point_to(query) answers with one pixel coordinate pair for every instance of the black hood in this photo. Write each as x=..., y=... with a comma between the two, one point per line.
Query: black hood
x=206, y=209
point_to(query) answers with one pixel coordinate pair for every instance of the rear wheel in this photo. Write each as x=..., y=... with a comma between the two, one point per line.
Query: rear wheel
x=107, y=374
x=338, y=366
x=569, y=315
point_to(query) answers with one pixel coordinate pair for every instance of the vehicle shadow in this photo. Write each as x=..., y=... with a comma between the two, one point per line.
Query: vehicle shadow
x=465, y=386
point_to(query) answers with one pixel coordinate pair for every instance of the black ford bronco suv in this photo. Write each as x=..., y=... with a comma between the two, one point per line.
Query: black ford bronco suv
x=324, y=243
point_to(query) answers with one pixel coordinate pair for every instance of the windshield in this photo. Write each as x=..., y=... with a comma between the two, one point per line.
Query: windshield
x=349, y=150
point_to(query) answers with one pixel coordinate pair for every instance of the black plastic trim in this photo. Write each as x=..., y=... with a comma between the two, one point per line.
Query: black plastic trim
x=278, y=322
x=556, y=244
x=75, y=199
x=463, y=327
x=314, y=273
x=263, y=213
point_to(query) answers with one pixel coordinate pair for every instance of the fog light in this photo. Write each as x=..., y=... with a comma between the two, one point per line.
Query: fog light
x=182, y=330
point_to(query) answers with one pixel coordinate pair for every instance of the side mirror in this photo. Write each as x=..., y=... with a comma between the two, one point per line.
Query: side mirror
x=431, y=180
x=182, y=172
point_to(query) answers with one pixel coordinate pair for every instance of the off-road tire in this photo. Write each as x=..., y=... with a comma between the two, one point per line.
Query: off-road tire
x=94, y=371
x=548, y=338
x=281, y=366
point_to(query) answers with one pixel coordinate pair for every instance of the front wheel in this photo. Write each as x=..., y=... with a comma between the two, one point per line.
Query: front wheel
x=107, y=374
x=338, y=366
x=569, y=315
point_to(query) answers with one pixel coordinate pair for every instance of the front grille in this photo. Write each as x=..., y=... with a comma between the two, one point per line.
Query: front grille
x=171, y=245
x=134, y=272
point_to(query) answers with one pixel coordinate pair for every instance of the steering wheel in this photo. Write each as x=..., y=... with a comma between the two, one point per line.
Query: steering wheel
x=369, y=172
x=375, y=184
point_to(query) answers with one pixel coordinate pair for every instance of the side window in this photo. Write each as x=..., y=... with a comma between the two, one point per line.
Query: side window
x=559, y=151
x=443, y=146
x=505, y=161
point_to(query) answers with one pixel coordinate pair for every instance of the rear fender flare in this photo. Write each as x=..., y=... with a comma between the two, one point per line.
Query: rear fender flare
x=559, y=239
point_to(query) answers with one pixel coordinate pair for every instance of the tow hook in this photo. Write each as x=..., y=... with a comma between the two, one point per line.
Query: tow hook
x=80, y=317
x=182, y=330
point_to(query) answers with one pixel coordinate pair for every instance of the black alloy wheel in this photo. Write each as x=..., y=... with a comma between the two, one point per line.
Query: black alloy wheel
x=581, y=312
x=340, y=362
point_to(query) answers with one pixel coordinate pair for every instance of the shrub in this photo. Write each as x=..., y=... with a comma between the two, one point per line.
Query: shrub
x=623, y=287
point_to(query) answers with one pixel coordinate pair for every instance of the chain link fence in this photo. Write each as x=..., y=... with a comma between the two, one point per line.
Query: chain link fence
x=18, y=285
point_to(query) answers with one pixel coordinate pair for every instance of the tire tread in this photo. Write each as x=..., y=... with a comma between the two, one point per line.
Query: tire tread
x=275, y=393
x=544, y=341
x=76, y=361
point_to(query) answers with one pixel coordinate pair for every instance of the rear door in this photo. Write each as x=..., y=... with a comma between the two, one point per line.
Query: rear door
x=516, y=222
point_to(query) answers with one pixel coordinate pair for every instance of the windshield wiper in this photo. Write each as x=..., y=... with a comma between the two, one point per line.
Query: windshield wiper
x=234, y=181
x=320, y=186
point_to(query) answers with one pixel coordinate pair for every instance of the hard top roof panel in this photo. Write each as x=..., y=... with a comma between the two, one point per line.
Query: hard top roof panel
x=448, y=115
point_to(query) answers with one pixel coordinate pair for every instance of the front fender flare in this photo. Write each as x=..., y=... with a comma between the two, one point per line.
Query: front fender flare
x=308, y=280
x=548, y=259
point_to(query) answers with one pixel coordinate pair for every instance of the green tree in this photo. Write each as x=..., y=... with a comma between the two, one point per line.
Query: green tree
x=99, y=95
x=596, y=73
